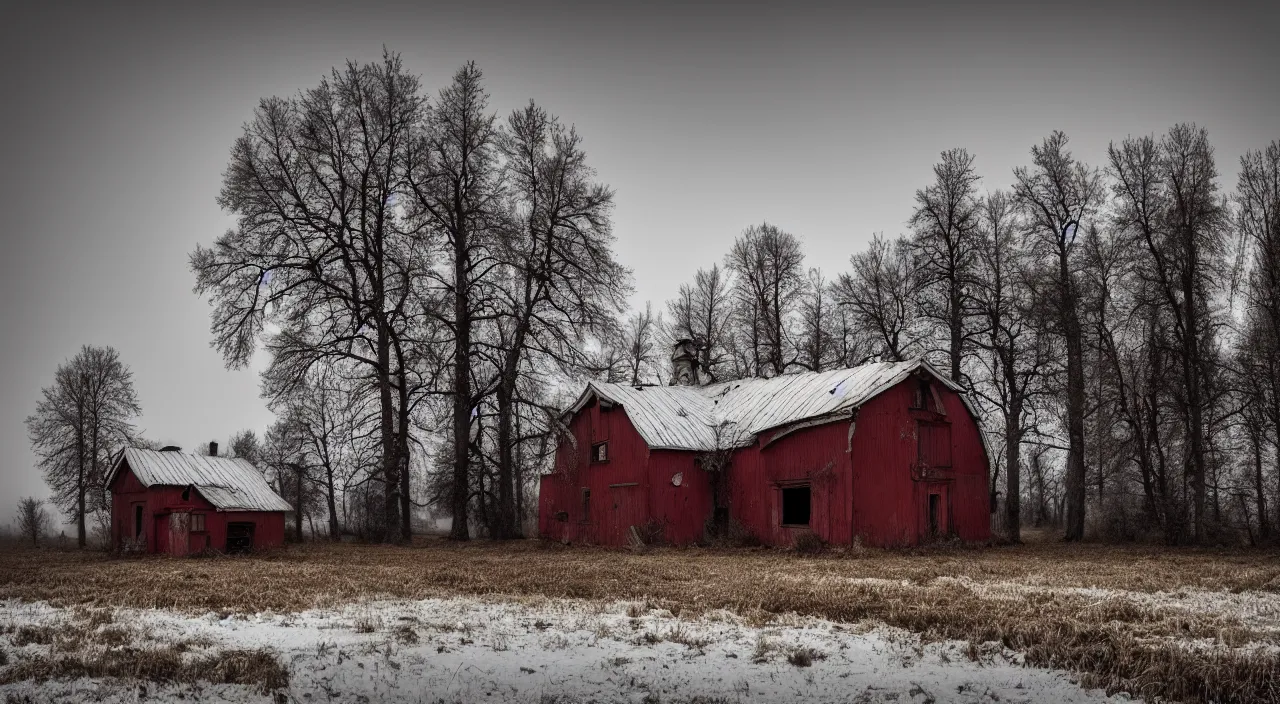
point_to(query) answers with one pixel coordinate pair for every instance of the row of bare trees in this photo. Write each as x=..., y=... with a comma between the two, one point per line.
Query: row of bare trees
x=1117, y=325
x=420, y=272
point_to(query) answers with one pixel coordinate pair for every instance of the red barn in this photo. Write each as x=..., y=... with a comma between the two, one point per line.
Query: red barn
x=889, y=453
x=171, y=502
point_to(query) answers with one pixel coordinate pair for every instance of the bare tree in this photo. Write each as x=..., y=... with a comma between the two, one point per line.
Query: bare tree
x=1167, y=198
x=321, y=246
x=881, y=292
x=1057, y=196
x=562, y=283
x=768, y=268
x=1016, y=352
x=702, y=312
x=945, y=221
x=33, y=520
x=816, y=346
x=82, y=419
x=456, y=188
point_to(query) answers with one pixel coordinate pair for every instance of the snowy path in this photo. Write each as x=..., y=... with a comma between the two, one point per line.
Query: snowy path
x=466, y=650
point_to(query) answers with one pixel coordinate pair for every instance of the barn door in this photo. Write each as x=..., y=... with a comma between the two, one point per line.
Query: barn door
x=936, y=510
x=626, y=509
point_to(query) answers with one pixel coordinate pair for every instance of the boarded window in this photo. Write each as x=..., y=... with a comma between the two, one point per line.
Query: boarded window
x=795, y=506
x=197, y=522
x=935, y=444
x=600, y=452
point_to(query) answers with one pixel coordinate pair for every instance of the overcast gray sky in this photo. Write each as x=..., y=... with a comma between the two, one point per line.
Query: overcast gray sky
x=116, y=124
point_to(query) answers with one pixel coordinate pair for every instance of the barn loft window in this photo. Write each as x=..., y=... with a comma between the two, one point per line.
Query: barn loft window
x=600, y=452
x=920, y=397
x=186, y=494
x=795, y=505
x=935, y=444
x=137, y=521
x=197, y=522
x=586, y=503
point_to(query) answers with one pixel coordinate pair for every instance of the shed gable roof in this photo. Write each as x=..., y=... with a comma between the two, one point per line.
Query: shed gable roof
x=230, y=484
x=731, y=414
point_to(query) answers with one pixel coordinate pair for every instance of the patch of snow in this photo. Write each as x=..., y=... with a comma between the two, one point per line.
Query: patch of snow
x=532, y=650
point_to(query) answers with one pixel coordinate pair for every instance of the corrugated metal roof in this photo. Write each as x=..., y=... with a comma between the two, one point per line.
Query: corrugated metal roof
x=687, y=417
x=229, y=484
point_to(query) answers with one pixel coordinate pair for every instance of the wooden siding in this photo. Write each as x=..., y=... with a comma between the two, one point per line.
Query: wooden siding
x=866, y=478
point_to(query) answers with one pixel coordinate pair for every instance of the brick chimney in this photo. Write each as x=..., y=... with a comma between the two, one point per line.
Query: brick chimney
x=213, y=449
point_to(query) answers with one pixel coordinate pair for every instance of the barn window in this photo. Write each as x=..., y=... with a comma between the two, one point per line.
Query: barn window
x=920, y=397
x=586, y=503
x=935, y=444
x=600, y=452
x=795, y=506
x=137, y=521
x=197, y=522
x=186, y=494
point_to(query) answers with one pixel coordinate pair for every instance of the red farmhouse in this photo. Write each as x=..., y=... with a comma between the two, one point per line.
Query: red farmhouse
x=165, y=501
x=890, y=453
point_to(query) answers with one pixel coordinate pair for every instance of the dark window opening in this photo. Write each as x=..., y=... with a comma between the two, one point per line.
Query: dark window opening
x=137, y=521
x=186, y=494
x=795, y=506
x=600, y=452
x=935, y=504
x=920, y=397
x=586, y=503
x=239, y=537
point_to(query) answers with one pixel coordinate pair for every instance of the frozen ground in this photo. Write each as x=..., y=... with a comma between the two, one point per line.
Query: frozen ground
x=545, y=651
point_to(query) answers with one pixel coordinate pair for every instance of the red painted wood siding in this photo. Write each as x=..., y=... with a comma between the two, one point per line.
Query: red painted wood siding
x=869, y=486
x=159, y=501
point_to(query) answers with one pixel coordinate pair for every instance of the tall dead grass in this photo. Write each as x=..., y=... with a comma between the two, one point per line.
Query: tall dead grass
x=1116, y=643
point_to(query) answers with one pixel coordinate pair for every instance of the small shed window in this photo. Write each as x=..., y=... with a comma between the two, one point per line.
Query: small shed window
x=600, y=452
x=586, y=503
x=137, y=521
x=186, y=494
x=795, y=505
x=197, y=522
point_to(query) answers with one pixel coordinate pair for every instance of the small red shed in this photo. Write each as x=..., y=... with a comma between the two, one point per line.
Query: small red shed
x=888, y=453
x=167, y=501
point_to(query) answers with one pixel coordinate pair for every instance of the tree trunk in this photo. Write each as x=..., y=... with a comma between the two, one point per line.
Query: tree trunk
x=1013, y=480
x=297, y=514
x=403, y=456
x=1075, y=479
x=335, y=531
x=461, y=386
x=390, y=463
x=1192, y=379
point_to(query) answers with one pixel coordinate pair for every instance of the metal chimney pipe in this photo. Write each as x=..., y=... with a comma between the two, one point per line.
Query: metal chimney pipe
x=213, y=449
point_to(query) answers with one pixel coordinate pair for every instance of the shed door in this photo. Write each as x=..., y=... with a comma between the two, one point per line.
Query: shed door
x=626, y=508
x=162, y=534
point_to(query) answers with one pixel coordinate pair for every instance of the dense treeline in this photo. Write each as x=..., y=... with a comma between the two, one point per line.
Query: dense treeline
x=427, y=276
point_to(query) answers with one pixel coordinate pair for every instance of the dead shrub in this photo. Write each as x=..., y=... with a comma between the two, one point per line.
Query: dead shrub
x=33, y=635
x=804, y=657
x=261, y=668
x=809, y=543
x=405, y=634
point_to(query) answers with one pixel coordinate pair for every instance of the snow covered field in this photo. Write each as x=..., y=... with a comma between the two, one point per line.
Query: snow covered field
x=544, y=650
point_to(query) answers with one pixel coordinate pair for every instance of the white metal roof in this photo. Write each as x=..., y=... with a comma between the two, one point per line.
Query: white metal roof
x=691, y=417
x=229, y=484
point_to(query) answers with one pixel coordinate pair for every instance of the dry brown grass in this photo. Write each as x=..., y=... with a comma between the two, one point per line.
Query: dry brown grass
x=258, y=668
x=1120, y=644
